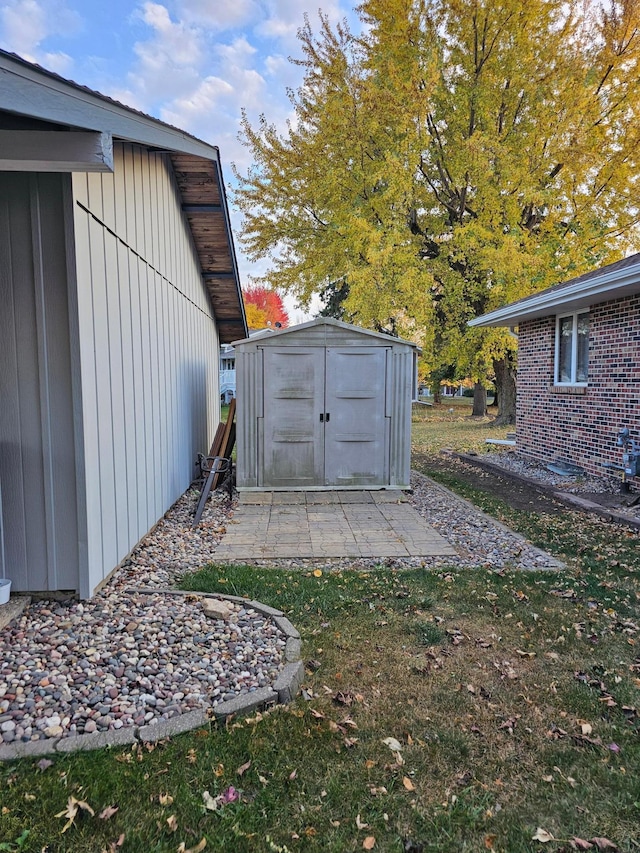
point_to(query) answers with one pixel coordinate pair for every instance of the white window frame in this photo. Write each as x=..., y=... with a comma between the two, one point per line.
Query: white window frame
x=574, y=351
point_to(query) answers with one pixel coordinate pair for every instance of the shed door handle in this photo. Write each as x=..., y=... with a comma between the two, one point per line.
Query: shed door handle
x=326, y=417
x=321, y=417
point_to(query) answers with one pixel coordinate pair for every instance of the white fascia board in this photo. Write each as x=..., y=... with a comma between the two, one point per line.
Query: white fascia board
x=572, y=298
x=29, y=92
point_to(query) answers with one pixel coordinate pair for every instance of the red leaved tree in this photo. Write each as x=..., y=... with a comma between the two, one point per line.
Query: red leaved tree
x=264, y=308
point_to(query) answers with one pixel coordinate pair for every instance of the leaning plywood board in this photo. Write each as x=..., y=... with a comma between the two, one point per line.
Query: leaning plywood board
x=220, y=449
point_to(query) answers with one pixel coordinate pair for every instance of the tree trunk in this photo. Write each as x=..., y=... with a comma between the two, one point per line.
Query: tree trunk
x=506, y=388
x=479, y=401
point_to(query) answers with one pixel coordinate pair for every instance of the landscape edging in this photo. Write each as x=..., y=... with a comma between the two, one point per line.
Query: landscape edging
x=288, y=682
x=568, y=499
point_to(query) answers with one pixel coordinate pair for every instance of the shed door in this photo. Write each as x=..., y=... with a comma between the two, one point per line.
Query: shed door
x=293, y=436
x=356, y=435
x=301, y=446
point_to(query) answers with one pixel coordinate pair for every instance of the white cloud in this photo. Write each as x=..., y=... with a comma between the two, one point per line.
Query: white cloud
x=221, y=15
x=26, y=24
x=169, y=61
x=284, y=18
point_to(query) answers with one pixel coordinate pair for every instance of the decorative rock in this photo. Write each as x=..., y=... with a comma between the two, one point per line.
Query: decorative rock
x=216, y=609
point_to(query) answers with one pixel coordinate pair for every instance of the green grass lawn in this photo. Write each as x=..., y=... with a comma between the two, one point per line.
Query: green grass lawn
x=512, y=701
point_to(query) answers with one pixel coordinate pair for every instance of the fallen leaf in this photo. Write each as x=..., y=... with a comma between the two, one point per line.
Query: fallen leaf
x=360, y=823
x=197, y=849
x=586, y=728
x=172, y=823
x=165, y=799
x=525, y=654
x=105, y=814
x=72, y=810
x=408, y=784
x=542, y=835
x=613, y=747
x=243, y=768
x=604, y=843
x=191, y=756
x=317, y=573
x=113, y=846
x=209, y=802
x=219, y=771
x=293, y=775
x=581, y=844
x=229, y=796
x=350, y=742
x=369, y=843
x=44, y=763
x=489, y=841
x=393, y=744
x=317, y=714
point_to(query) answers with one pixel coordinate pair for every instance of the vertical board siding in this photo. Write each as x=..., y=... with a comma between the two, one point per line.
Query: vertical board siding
x=148, y=350
x=37, y=452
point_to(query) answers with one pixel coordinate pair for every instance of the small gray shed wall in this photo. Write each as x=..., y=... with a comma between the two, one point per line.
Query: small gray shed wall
x=386, y=427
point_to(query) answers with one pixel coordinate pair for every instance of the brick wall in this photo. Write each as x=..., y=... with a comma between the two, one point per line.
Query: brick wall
x=581, y=424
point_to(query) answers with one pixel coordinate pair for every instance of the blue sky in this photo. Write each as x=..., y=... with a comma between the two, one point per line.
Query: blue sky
x=192, y=63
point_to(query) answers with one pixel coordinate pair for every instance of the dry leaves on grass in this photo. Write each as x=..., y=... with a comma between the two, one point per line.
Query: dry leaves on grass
x=230, y=795
x=108, y=812
x=197, y=849
x=598, y=842
x=114, y=845
x=72, y=809
x=369, y=843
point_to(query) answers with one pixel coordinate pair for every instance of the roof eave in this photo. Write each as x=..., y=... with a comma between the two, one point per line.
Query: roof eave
x=611, y=285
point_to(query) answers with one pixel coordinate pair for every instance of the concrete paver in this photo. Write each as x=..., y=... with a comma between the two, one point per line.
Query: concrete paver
x=273, y=525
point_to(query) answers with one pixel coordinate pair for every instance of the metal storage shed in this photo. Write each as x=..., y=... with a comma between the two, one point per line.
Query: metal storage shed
x=324, y=405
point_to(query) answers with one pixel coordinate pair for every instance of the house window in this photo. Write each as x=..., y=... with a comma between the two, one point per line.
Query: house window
x=572, y=349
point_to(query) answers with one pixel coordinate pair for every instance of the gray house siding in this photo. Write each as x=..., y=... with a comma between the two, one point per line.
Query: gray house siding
x=149, y=351
x=37, y=450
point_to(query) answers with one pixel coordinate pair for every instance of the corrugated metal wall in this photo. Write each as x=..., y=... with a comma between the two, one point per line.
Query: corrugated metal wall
x=37, y=452
x=148, y=350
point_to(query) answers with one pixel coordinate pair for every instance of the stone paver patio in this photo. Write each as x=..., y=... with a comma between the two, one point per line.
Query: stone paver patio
x=275, y=525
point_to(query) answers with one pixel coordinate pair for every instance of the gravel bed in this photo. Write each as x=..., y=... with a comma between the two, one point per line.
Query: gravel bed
x=538, y=471
x=603, y=490
x=130, y=659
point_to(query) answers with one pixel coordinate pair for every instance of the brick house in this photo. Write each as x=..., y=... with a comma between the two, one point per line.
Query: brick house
x=578, y=366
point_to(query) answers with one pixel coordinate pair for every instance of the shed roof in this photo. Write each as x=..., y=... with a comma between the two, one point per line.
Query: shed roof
x=611, y=282
x=323, y=321
x=30, y=91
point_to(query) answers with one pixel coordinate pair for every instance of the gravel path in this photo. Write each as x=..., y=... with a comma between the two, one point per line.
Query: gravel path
x=128, y=658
